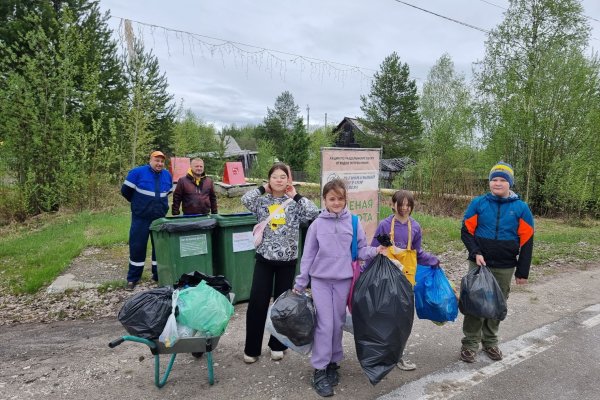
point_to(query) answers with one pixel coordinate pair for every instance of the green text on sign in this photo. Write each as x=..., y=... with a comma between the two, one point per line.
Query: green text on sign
x=192, y=245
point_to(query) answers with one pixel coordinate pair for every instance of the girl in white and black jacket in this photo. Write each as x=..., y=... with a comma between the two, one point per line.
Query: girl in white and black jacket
x=276, y=255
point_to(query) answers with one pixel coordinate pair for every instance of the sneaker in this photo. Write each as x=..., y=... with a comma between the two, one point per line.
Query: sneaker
x=493, y=353
x=333, y=374
x=467, y=355
x=321, y=383
x=276, y=355
x=406, y=365
x=249, y=359
x=130, y=286
x=198, y=354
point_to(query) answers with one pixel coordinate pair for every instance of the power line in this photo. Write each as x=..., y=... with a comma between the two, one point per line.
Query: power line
x=444, y=17
x=492, y=4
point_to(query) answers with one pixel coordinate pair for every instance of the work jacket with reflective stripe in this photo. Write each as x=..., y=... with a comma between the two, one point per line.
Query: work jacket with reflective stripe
x=501, y=230
x=147, y=191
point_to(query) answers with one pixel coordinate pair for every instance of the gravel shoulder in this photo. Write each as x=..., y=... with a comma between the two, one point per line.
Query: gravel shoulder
x=55, y=345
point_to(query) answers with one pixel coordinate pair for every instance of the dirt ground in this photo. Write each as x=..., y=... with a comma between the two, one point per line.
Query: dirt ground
x=55, y=346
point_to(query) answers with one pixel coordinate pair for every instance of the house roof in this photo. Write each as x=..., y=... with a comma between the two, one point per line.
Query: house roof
x=232, y=149
x=396, y=164
x=353, y=121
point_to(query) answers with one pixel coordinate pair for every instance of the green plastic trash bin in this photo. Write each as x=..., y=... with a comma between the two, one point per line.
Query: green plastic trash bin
x=233, y=253
x=182, y=245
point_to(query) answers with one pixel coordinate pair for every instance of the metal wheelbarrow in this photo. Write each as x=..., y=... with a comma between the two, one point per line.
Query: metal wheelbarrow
x=194, y=345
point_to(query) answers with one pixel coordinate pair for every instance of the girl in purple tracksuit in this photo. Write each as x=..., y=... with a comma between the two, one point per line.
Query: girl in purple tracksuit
x=326, y=261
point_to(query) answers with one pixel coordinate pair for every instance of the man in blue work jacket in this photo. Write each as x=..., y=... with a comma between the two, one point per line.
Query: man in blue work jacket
x=146, y=188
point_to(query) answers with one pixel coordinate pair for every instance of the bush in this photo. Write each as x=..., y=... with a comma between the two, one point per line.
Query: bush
x=13, y=207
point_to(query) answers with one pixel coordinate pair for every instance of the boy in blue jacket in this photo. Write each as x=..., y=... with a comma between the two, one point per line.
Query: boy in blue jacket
x=497, y=231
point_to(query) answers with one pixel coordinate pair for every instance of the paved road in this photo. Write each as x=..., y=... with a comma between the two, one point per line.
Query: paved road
x=560, y=360
x=545, y=326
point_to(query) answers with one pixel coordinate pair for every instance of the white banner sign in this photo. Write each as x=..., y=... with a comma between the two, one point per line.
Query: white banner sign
x=360, y=169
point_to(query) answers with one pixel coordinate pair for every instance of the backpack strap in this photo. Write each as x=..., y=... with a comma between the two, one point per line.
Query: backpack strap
x=354, y=246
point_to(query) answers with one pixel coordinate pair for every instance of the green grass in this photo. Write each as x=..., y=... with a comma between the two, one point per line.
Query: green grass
x=32, y=255
x=440, y=234
x=554, y=239
x=31, y=259
x=111, y=285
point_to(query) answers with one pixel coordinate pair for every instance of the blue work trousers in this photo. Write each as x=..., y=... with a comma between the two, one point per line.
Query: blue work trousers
x=138, y=243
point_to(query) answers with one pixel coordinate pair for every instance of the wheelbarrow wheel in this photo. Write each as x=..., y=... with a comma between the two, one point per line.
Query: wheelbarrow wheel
x=197, y=354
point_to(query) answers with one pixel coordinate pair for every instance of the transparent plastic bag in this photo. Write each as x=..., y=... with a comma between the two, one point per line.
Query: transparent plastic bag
x=170, y=335
x=348, y=326
x=185, y=331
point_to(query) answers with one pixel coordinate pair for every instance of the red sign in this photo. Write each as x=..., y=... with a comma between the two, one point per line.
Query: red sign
x=234, y=173
x=179, y=167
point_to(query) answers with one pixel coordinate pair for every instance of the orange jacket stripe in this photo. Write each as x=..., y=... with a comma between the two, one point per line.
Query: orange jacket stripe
x=471, y=224
x=525, y=232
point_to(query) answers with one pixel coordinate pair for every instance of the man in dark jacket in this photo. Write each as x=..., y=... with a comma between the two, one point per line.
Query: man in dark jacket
x=195, y=192
x=146, y=188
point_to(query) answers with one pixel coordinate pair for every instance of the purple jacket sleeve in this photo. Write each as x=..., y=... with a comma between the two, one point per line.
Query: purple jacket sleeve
x=365, y=252
x=378, y=232
x=423, y=257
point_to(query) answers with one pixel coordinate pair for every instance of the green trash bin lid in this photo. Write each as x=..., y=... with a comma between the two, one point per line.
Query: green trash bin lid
x=182, y=225
x=235, y=219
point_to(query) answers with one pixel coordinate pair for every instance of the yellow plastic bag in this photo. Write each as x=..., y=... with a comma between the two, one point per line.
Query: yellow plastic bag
x=407, y=257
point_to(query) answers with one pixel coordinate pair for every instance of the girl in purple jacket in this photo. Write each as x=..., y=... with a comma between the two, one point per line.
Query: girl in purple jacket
x=327, y=262
x=403, y=204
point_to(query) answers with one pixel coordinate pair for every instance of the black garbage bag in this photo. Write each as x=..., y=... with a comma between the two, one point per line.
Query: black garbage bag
x=145, y=314
x=219, y=282
x=173, y=225
x=293, y=315
x=383, y=310
x=481, y=296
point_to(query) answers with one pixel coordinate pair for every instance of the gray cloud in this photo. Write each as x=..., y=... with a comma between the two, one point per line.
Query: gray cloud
x=228, y=86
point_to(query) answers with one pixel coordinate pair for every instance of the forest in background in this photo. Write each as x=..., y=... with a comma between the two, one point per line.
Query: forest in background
x=80, y=107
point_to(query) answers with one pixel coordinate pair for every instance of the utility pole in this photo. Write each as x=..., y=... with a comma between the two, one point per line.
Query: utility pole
x=307, y=118
x=325, y=120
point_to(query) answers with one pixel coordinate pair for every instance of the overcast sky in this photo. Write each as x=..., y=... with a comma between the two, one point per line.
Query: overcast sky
x=224, y=84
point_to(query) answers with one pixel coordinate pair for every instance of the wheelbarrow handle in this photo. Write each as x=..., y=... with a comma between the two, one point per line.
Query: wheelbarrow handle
x=116, y=342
